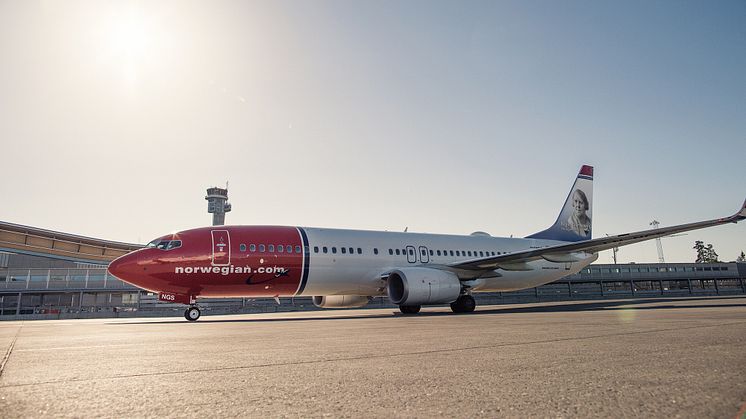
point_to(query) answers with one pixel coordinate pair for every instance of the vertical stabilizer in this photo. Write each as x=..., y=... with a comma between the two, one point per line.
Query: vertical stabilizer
x=574, y=221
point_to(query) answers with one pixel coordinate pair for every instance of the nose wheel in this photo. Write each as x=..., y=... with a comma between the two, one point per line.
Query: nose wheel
x=192, y=313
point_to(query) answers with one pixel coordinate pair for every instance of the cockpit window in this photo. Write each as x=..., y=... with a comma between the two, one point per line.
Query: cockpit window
x=173, y=244
x=164, y=244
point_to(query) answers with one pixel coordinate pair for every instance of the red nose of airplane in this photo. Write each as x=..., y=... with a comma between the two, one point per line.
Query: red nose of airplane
x=126, y=268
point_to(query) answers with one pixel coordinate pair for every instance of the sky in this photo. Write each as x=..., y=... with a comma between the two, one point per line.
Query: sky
x=441, y=117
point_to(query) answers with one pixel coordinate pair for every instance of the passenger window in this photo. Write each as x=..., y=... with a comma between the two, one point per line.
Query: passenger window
x=451, y=252
x=252, y=247
x=334, y=250
x=325, y=249
x=469, y=252
x=397, y=252
x=359, y=251
x=438, y=252
x=271, y=248
x=343, y=250
x=352, y=250
x=316, y=249
x=280, y=248
x=411, y=252
x=431, y=252
x=375, y=250
x=391, y=252
x=458, y=253
x=242, y=247
x=262, y=248
x=481, y=253
x=423, y=252
x=297, y=249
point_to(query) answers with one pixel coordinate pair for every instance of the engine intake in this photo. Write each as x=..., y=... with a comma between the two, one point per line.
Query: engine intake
x=340, y=301
x=417, y=286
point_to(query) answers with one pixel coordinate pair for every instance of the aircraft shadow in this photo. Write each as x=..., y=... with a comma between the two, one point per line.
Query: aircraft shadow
x=632, y=304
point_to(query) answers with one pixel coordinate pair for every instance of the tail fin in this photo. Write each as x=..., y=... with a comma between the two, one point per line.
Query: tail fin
x=574, y=221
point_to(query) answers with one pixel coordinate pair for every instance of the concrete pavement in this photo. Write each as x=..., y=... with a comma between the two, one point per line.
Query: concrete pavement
x=660, y=358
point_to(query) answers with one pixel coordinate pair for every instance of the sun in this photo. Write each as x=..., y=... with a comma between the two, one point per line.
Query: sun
x=130, y=39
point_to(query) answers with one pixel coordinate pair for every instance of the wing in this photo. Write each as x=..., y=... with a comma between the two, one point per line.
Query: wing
x=566, y=252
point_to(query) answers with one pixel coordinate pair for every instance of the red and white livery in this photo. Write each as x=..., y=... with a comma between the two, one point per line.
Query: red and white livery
x=344, y=268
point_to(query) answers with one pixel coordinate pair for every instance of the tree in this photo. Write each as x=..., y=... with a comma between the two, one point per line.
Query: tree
x=705, y=254
x=741, y=258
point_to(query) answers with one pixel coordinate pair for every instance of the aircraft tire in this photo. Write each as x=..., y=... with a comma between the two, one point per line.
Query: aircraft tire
x=192, y=314
x=410, y=309
x=464, y=304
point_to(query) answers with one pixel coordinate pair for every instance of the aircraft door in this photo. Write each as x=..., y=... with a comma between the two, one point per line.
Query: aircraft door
x=411, y=254
x=424, y=256
x=221, y=248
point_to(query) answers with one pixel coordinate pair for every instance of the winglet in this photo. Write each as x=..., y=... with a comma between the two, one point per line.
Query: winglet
x=741, y=215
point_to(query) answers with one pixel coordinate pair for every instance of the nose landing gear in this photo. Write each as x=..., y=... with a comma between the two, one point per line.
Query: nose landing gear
x=192, y=313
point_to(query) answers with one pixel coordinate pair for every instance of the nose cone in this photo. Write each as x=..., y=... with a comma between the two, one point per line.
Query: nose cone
x=125, y=268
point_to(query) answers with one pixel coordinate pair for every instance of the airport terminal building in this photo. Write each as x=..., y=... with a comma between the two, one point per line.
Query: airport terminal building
x=48, y=274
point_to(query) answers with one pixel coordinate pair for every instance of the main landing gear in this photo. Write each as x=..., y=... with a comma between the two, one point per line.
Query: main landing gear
x=192, y=313
x=464, y=304
x=409, y=309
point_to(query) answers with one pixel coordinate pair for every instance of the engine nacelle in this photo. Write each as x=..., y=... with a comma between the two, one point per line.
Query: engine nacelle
x=417, y=286
x=340, y=301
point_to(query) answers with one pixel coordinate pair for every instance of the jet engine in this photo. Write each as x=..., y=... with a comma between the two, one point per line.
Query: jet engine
x=340, y=301
x=418, y=286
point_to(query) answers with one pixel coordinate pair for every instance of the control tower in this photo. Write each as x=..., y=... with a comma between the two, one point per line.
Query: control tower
x=217, y=204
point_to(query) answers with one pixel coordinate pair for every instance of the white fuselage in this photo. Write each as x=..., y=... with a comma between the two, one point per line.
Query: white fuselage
x=332, y=272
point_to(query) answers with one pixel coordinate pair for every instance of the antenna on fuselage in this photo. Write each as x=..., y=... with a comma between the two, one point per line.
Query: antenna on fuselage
x=406, y=228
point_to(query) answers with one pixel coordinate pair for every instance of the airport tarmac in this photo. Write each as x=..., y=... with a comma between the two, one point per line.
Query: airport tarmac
x=660, y=358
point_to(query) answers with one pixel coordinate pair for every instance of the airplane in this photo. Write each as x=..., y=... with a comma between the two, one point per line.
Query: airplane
x=346, y=268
